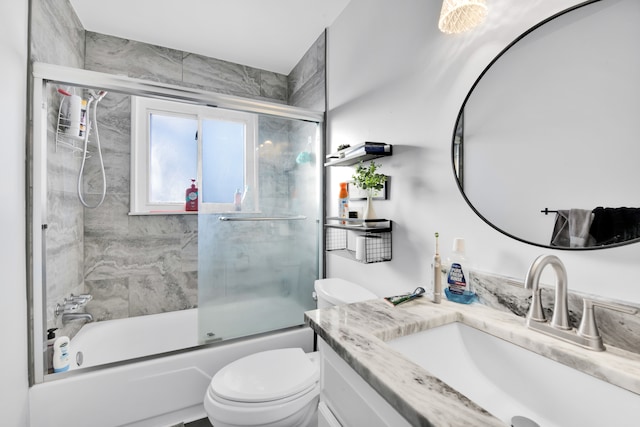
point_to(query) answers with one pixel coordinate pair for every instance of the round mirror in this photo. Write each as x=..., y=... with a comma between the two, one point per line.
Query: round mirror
x=546, y=145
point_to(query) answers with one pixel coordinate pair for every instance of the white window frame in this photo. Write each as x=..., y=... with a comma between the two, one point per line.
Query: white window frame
x=141, y=110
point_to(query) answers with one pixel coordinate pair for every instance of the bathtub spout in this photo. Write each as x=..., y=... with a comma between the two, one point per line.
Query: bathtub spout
x=67, y=317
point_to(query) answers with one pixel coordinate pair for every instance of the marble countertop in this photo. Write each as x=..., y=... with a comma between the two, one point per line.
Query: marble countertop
x=358, y=332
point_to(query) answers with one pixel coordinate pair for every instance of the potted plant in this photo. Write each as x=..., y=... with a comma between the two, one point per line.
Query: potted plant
x=368, y=179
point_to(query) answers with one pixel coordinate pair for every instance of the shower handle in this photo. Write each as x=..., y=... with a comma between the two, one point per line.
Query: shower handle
x=263, y=218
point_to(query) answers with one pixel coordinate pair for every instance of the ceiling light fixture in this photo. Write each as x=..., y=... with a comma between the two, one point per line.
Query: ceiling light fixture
x=458, y=16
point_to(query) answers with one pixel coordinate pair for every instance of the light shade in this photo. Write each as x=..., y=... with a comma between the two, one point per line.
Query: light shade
x=458, y=16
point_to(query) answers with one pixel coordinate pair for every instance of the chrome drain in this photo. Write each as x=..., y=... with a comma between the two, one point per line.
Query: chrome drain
x=520, y=421
x=79, y=358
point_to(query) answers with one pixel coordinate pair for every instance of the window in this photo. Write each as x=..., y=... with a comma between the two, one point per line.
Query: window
x=173, y=143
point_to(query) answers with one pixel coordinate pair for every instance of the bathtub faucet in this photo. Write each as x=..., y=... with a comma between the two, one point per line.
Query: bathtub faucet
x=67, y=317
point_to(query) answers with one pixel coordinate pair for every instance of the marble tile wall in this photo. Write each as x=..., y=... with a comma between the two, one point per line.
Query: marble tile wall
x=508, y=294
x=57, y=37
x=307, y=79
x=136, y=265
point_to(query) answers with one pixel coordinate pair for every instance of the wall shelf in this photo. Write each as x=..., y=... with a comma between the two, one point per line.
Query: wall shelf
x=365, y=241
x=359, y=153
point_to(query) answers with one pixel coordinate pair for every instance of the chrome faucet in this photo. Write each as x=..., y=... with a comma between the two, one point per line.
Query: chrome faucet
x=70, y=306
x=67, y=317
x=587, y=335
x=560, y=318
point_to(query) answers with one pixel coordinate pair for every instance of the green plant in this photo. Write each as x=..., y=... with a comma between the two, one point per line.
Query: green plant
x=368, y=179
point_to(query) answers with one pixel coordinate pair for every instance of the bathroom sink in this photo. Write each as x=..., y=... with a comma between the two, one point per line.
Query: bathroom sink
x=510, y=381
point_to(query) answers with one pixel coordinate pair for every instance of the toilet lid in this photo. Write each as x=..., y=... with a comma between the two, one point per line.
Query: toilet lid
x=339, y=291
x=266, y=376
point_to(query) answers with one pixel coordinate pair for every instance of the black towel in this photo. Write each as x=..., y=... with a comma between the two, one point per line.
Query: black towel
x=615, y=225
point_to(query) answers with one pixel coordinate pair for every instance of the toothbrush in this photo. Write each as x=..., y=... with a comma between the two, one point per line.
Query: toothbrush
x=437, y=275
x=399, y=299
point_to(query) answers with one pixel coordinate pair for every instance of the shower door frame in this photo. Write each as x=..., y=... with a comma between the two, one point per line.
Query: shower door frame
x=43, y=74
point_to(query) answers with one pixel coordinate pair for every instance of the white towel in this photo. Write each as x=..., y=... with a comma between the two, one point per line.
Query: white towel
x=579, y=226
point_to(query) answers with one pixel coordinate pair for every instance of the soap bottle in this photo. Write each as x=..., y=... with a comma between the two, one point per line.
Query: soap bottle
x=61, y=354
x=191, y=200
x=237, y=200
x=51, y=338
x=343, y=202
x=459, y=287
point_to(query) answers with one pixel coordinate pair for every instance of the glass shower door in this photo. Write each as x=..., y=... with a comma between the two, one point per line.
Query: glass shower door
x=257, y=266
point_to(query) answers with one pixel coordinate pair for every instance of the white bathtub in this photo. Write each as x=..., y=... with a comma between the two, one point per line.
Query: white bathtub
x=125, y=339
x=156, y=392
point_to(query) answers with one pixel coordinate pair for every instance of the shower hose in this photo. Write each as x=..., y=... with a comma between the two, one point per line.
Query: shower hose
x=85, y=151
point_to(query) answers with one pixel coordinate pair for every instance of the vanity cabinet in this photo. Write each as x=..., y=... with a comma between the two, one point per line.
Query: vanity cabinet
x=365, y=241
x=347, y=399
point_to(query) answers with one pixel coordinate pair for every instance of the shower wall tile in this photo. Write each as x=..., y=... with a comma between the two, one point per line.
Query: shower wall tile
x=162, y=225
x=189, y=251
x=274, y=86
x=221, y=76
x=57, y=36
x=111, y=218
x=311, y=94
x=110, y=298
x=307, y=79
x=114, y=132
x=109, y=257
x=116, y=55
x=158, y=294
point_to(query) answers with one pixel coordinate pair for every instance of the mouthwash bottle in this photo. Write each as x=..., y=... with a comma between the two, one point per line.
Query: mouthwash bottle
x=459, y=287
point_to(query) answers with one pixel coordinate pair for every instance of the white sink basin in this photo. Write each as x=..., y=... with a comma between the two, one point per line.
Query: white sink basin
x=509, y=381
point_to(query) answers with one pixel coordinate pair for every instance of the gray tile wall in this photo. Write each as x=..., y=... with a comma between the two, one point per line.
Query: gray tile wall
x=57, y=37
x=136, y=265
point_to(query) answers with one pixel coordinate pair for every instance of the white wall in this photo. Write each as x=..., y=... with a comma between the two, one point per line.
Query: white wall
x=13, y=305
x=394, y=77
x=542, y=116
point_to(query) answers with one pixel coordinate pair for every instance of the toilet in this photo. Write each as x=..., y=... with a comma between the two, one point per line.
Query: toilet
x=276, y=388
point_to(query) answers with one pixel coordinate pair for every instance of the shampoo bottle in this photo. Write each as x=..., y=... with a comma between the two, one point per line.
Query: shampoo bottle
x=191, y=199
x=343, y=202
x=237, y=200
x=459, y=288
x=61, y=354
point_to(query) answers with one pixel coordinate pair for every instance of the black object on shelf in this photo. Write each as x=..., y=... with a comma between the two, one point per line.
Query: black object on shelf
x=359, y=153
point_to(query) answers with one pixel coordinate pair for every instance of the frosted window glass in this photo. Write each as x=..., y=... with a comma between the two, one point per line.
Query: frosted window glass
x=223, y=167
x=173, y=157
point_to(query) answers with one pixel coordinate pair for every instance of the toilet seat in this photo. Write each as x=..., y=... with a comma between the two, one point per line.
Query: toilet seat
x=267, y=376
x=265, y=387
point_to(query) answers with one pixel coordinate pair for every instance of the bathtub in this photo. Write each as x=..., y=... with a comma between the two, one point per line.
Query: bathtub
x=148, y=392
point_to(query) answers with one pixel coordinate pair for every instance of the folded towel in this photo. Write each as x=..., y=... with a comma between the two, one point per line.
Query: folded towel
x=572, y=228
x=579, y=226
x=615, y=225
x=560, y=236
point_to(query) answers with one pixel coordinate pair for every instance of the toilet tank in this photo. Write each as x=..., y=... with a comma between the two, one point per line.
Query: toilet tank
x=339, y=291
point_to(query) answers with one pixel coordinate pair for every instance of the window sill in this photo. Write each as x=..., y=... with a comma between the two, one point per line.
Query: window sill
x=163, y=213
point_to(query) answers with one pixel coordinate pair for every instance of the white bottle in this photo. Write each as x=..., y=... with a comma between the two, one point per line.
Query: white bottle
x=74, y=112
x=61, y=354
x=459, y=287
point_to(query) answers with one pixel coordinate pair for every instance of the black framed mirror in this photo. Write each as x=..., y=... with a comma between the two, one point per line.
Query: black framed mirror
x=546, y=145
